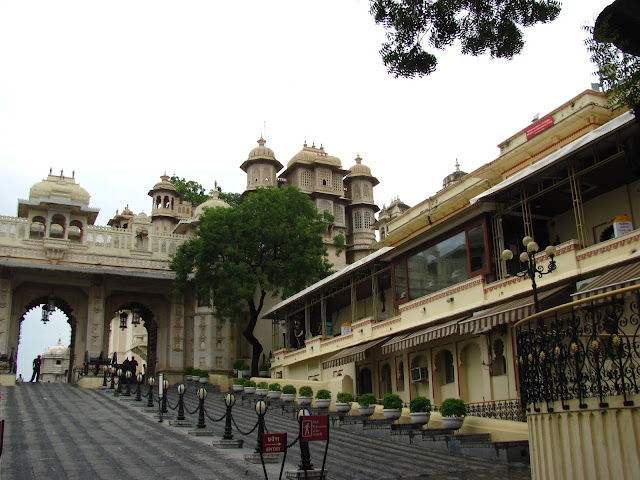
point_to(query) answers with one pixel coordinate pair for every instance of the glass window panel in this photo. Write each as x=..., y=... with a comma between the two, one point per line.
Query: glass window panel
x=477, y=250
x=400, y=274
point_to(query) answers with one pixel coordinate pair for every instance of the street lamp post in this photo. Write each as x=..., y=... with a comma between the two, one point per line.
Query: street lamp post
x=151, y=381
x=127, y=376
x=305, y=455
x=181, y=402
x=261, y=409
x=113, y=379
x=119, y=375
x=229, y=401
x=528, y=257
x=165, y=385
x=139, y=390
x=201, y=394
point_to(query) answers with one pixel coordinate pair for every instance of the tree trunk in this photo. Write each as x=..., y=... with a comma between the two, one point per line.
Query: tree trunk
x=254, y=312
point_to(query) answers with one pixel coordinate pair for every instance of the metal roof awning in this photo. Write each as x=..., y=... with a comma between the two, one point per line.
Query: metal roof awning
x=352, y=354
x=564, y=152
x=614, y=279
x=508, y=312
x=432, y=333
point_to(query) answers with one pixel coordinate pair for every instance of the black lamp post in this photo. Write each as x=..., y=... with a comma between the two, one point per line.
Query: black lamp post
x=229, y=401
x=112, y=374
x=151, y=381
x=201, y=394
x=165, y=388
x=180, y=402
x=119, y=375
x=104, y=377
x=528, y=257
x=139, y=390
x=305, y=455
x=161, y=395
x=261, y=409
x=127, y=376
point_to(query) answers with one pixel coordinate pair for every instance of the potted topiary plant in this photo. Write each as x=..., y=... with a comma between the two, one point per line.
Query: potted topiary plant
x=305, y=395
x=263, y=369
x=245, y=370
x=204, y=376
x=323, y=398
x=188, y=371
x=391, y=406
x=275, y=391
x=366, y=404
x=249, y=386
x=343, y=402
x=420, y=410
x=236, y=367
x=195, y=375
x=289, y=393
x=238, y=384
x=453, y=411
x=262, y=389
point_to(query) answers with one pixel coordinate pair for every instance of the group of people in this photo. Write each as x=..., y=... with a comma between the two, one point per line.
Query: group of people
x=130, y=365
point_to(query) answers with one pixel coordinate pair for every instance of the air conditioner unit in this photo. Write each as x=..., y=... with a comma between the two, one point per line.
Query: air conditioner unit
x=418, y=375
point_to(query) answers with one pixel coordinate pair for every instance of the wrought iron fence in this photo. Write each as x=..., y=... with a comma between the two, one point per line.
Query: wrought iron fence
x=500, y=409
x=585, y=349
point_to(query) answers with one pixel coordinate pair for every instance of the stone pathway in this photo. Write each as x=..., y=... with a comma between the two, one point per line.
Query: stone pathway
x=57, y=431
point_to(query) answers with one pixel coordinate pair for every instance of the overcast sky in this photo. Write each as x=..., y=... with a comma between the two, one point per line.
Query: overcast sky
x=121, y=92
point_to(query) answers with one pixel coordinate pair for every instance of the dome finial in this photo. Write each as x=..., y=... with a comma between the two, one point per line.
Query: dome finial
x=262, y=141
x=457, y=166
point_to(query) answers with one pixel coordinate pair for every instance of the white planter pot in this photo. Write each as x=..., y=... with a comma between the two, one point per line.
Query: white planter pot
x=261, y=392
x=454, y=423
x=420, y=418
x=288, y=397
x=392, y=413
x=274, y=395
x=366, y=411
x=250, y=390
x=263, y=373
x=304, y=400
x=204, y=380
x=343, y=407
x=323, y=403
x=245, y=373
x=238, y=388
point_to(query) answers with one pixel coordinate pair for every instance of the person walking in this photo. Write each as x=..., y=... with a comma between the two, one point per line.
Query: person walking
x=36, y=368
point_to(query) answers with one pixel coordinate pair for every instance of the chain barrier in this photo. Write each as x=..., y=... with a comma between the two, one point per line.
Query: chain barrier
x=191, y=413
x=213, y=419
x=294, y=442
x=239, y=430
x=169, y=405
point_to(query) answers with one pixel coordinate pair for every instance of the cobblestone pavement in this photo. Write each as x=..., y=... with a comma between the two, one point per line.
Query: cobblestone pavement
x=57, y=431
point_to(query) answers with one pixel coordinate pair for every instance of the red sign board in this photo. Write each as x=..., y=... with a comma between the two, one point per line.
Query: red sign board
x=274, y=442
x=315, y=427
x=539, y=126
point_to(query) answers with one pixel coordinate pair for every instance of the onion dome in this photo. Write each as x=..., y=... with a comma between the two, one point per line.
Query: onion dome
x=454, y=177
x=60, y=188
x=163, y=184
x=360, y=170
x=58, y=350
x=213, y=202
x=309, y=155
x=261, y=154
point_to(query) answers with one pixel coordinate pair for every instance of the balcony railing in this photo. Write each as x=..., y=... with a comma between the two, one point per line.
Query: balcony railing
x=585, y=349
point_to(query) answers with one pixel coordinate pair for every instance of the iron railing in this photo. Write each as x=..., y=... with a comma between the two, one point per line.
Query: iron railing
x=584, y=349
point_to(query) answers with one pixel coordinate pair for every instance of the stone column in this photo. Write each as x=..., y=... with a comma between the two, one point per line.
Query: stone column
x=5, y=314
x=94, y=335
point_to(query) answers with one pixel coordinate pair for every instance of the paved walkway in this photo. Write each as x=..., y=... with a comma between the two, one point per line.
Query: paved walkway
x=57, y=431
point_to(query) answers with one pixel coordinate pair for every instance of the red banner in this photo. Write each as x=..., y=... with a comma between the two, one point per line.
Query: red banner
x=315, y=427
x=274, y=442
x=539, y=126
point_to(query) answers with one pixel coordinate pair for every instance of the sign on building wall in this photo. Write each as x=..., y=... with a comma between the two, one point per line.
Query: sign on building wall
x=346, y=328
x=539, y=126
x=622, y=225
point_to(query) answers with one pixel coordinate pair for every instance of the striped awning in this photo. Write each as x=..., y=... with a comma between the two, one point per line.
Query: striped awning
x=509, y=311
x=615, y=278
x=352, y=354
x=426, y=335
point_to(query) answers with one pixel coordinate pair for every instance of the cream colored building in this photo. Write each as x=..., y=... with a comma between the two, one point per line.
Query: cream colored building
x=55, y=363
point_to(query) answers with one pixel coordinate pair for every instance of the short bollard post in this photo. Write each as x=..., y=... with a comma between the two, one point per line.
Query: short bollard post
x=180, y=402
x=113, y=378
x=104, y=379
x=127, y=376
x=229, y=400
x=139, y=390
x=165, y=385
x=261, y=409
x=119, y=374
x=161, y=395
x=305, y=455
x=151, y=381
x=201, y=394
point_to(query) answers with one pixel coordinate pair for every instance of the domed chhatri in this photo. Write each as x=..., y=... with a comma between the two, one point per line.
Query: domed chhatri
x=59, y=189
x=213, y=202
x=261, y=167
x=309, y=155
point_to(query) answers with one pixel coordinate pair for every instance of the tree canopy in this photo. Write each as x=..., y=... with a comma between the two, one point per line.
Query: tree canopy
x=189, y=190
x=619, y=72
x=492, y=26
x=270, y=243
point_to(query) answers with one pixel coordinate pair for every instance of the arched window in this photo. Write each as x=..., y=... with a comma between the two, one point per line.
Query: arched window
x=400, y=382
x=449, y=371
x=356, y=192
x=385, y=379
x=357, y=221
x=367, y=219
x=365, y=191
x=166, y=202
x=158, y=201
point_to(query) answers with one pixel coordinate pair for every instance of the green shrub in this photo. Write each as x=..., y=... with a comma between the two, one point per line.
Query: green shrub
x=204, y=373
x=264, y=366
x=420, y=404
x=344, y=397
x=453, y=407
x=263, y=385
x=366, y=399
x=188, y=370
x=196, y=372
x=244, y=366
x=237, y=365
x=274, y=387
x=289, y=389
x=305, y=391
x=391, y=400
x=240, y=381
x=249, y=383
x=323, y=394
